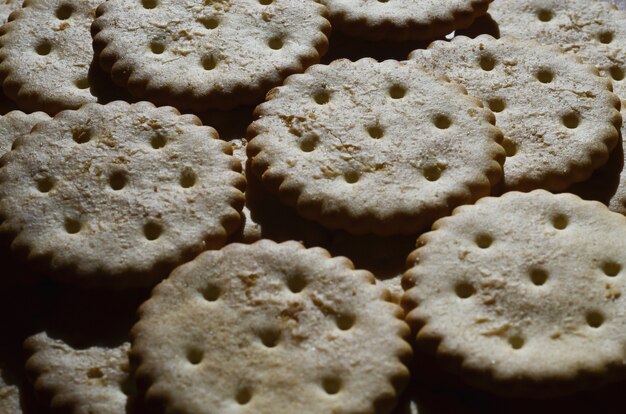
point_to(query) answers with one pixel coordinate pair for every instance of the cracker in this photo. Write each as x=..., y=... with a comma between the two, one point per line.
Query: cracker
x=45, y=53
x=523, y=294
x=118, y=194
x=594, y=30
x=216, y=54
x=374, y=147
x=402, y=20
x=15, y=124
x=270, y=328
x=87, y=380
x=560, y=120
x=9, y=393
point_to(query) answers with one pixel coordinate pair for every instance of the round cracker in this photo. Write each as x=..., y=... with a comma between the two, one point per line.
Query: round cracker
x=559, y=118
x=118, y=194
x=402, y=20
x=523, y=294
x=242, y=328
x=374, y=147
x=214, y=54
x=594, y=30
x=45, y=54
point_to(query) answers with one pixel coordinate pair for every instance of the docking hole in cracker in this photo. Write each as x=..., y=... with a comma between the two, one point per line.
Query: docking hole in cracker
x=370, y=148
x=538, y=312
x=245, y=325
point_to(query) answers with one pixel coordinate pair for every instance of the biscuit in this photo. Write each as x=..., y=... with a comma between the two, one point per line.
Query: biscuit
x=9, y=394
x=522, y=294
x=245, y=327
x=45, y=54
x=118, y=194
x=560, y=120
x=214, y=54
x=15, y=124
x=79, y=380
x=594, y=30
x=373, y=147
x=402, y=20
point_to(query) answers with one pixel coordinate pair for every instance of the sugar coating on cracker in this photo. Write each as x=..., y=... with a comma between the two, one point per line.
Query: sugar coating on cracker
x=94, y=379
x=119, y=193
x=15, y=124
x=593, y=30
x=200, y=54
x=374, y=147
x=524, y=294
x=45, y=54
x=241, y=328
x=402, y=20
x=559, y=118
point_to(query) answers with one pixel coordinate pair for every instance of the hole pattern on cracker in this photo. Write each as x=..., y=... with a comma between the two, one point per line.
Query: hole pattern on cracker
x=442, y=121
x=188, y=178
x=152, y=230
x=321, y=97
x=487, y=63
x=432, y=173
x=375, y=132
x=332, y=385
x=545, y=76
x=571, y=120
x=44, y=185
x=517, y=342
x=243, y=396
x=560, y=221
x=269, y=337
x=484, y=241
x=595, y=319
x=464, y=290
x=118, y=180
x=397, y=92
x=64, y=11
x=352, y=177
x=195, y=356
x=611, y=268
x=94, y=373
x=538, y=276
x=309, y=142
x=210, y=23
x=149, y=4
x=345, y=321
x=617, y=73
x=296, y=283
x=43, y=48
x=545, y=15
x=211, y=293
x=605, y=37
x=81, y=135
x=72, y=225
x=158, y=141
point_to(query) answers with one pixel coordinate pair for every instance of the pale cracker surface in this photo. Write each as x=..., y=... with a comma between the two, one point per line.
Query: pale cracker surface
x=118, y=194
x=524, y=294
x=559, y=118
x=7, y=7
x=270, y=328
x=82, y=381
x=45, y=54
x=218, y=54
x=374, y=147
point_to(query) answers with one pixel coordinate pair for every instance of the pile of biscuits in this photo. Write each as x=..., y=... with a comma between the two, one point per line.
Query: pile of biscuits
x=312, y=206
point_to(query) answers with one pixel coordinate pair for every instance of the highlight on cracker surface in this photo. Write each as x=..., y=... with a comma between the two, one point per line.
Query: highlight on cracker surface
x=523, y=294
x=119, y=194
x=371, y=147
x=270, y=328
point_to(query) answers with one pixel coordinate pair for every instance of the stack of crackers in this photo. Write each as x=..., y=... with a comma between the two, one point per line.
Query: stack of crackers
x=312, y=206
